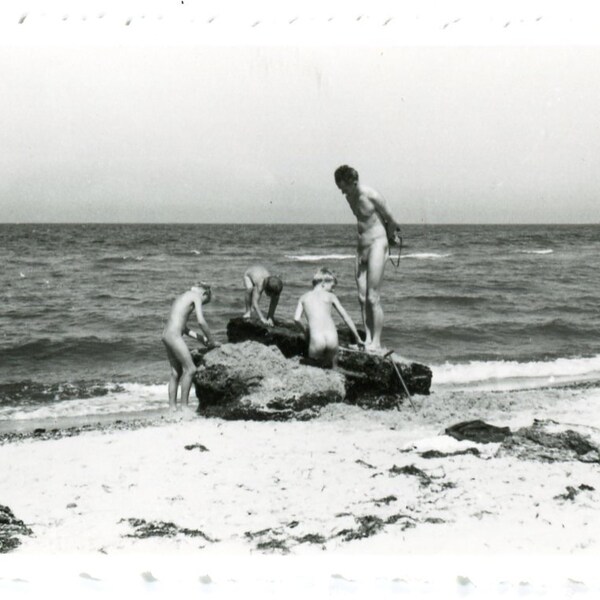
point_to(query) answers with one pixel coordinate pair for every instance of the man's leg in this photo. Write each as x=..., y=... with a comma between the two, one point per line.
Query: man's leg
x=361, y=284
x=376, y=265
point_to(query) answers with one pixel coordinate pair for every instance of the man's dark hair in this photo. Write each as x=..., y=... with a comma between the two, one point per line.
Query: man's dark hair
x=346, y=173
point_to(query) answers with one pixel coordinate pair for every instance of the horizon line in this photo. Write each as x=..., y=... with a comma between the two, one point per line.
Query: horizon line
x=449, y=224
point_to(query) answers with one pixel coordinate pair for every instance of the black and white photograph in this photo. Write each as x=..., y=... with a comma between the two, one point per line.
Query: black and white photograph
x=307, y=288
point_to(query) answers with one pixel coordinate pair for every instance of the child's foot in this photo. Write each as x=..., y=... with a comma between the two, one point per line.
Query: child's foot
x=375, y=349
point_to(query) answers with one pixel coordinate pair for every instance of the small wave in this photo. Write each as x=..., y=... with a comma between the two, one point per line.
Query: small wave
x=70, y=348
x=446, y=299
x=116, y=398
x=34, y=392
x=426, y=255
x=118, y=259
x=502, y=374
x=319, y=257
x=546, y=251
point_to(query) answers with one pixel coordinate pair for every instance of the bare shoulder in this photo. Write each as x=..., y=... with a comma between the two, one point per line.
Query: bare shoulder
x=371, y=193
x=191, y=296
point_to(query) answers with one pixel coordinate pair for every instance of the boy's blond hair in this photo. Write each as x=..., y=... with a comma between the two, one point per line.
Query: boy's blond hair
x=206, y=288
x=324, y=275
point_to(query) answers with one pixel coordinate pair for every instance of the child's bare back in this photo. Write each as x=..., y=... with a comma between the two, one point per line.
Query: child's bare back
x=317, y=306
x=322, y=332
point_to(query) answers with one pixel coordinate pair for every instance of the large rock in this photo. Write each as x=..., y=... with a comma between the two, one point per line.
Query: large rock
x=250, y=380
x=369, y=376
x=286, y=335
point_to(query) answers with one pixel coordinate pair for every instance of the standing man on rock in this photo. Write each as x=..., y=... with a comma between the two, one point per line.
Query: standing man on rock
x=377, y=228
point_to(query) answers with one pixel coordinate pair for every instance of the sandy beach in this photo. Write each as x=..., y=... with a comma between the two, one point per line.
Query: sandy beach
x=350, y=482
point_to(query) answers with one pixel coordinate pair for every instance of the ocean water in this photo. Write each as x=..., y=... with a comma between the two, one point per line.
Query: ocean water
x=486, y=307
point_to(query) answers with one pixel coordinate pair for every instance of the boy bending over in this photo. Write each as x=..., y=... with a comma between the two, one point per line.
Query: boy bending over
x=256, y=281
x=322, y=333
x=180, y=358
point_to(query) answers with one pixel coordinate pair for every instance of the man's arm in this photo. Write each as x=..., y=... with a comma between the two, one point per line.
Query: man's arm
x=347, y=319
x=381, y=206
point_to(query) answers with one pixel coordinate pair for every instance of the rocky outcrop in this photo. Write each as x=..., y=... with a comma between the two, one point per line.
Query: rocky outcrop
x=285, y=335
x=253, y=381
x=369, y=377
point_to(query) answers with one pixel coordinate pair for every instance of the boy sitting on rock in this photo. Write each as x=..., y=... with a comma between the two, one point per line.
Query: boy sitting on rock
x=322, y=333
x=256, y=281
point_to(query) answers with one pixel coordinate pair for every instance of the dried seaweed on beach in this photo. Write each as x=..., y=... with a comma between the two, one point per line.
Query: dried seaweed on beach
x=549, y=441
x=10, y=527
x=311, y=538
x=146, y=529
x=572, y=492
x=438, y=454
x=411, y=470
x=275, y=545
x=368, y=525
x=196, y=447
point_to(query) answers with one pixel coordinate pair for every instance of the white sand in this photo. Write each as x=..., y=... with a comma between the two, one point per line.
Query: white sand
x=315, y=478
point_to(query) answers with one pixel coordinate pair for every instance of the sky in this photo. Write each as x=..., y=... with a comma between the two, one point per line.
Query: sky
x=253, y=133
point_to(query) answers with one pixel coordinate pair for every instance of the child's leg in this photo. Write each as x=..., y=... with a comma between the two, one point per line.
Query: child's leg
x=176, y=371
x=331, y=350
x=317, y=346
x=183, y=356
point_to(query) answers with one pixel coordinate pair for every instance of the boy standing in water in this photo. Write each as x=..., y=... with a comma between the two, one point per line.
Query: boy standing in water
x=322, y=333
x=180, y=358
x=256, y=281
x=377, y=228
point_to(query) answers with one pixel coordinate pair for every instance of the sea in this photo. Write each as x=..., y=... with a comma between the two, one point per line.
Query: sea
x=488, y=307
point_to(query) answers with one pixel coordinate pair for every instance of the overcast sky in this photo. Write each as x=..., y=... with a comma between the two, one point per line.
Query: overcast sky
x=251, y=134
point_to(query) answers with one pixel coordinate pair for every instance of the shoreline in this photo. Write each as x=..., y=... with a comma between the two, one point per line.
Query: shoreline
x=59, y=427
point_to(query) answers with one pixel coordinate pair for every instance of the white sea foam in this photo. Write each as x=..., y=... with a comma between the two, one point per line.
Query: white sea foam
x=318, y=257
x=546, y=251
x=492, y=375
x=426, y=255
x=134, y=397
